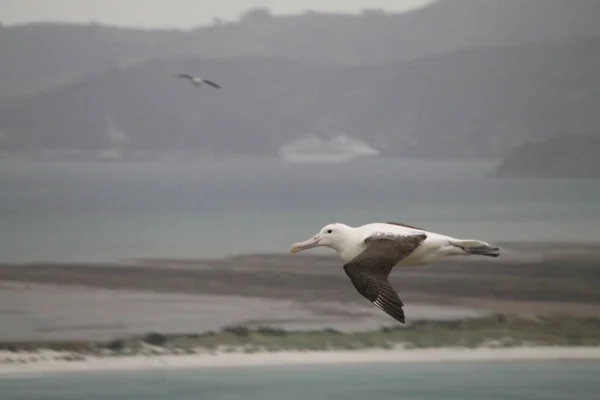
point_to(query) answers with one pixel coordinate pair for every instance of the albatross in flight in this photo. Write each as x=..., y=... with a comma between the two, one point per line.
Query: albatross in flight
x=371, y=251
x=198, y=81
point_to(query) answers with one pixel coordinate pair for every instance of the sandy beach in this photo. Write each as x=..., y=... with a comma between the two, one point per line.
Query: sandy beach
x=140, y=363
x=62, y=302
x=101, y=301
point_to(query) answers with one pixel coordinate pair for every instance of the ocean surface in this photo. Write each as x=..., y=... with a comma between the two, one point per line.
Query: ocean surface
x=90, y=211
x=445, y=381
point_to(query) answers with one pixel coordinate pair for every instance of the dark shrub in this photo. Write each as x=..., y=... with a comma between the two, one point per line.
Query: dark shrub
x=155, y=339
x=237, y=330
x=115, y=345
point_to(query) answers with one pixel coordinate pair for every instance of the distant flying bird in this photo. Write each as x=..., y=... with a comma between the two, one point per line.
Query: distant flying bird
x=194, y=80
x=371, y=251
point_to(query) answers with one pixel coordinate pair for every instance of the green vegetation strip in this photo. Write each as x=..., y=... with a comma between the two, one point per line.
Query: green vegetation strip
x=494, y=331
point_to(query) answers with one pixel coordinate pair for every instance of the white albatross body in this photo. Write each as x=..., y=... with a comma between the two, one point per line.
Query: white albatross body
x=350, y=242
x=196, y=81
x=371, y=251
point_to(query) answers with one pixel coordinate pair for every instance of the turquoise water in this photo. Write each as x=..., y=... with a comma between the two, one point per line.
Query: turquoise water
x=448, y=381
x=71, y=211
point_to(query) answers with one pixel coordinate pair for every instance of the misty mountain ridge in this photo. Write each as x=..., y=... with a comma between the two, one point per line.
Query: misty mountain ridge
x=456, y=78
x=45, y=56
x=469, y=103
x=573, y=156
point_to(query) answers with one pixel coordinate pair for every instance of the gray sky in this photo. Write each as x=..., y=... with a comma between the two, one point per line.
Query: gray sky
x=173, y=13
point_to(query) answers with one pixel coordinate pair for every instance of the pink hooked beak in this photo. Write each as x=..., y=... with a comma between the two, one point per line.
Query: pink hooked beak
x=305, y=245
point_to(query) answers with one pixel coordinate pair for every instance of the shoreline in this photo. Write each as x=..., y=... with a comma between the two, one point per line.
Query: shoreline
x=515, y=251
x=140, y=363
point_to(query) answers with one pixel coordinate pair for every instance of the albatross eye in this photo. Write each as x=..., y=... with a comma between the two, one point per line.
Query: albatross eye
x=329, y=230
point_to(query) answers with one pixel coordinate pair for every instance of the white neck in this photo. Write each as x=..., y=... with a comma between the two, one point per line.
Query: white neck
x=352, y=245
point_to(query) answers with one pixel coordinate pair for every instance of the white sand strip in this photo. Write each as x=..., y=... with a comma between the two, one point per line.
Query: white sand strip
x=134, y=363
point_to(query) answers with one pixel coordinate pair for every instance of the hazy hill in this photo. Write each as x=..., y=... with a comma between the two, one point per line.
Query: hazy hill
x=376, y=37
x=480, y=102
x=564, y=157
x=40, y=56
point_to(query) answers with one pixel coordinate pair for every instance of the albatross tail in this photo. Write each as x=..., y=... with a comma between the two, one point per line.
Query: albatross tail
x=477, y=248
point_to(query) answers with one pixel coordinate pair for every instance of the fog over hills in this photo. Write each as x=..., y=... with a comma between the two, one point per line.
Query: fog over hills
x=458, y=78
x=561, y=157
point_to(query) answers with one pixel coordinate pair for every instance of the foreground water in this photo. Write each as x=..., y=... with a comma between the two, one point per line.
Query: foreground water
x=447, y=381
x=72, y=211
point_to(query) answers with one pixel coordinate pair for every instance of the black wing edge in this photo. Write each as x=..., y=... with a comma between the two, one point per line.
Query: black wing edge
x=212, y=84
x=404, y=225
x=378, y=291
x=388, y=301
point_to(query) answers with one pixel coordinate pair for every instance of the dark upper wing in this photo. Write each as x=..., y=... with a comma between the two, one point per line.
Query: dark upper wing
x=378, y=292
x=212, y=84
x=405, y=225
x=369, y=270
x=185, y=76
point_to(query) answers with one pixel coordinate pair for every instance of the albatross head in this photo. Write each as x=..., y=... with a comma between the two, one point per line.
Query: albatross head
x=336, y=236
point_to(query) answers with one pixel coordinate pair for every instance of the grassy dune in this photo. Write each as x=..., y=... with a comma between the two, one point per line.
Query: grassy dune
x=495, y=331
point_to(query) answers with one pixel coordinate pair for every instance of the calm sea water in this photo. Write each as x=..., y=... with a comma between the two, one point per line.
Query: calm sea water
x=68, y=211
x=448, y=381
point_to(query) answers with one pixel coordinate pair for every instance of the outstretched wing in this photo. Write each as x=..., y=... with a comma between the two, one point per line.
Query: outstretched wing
x=405, y=225
x=369, y=271
x=185, y=76
x=212, y=83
